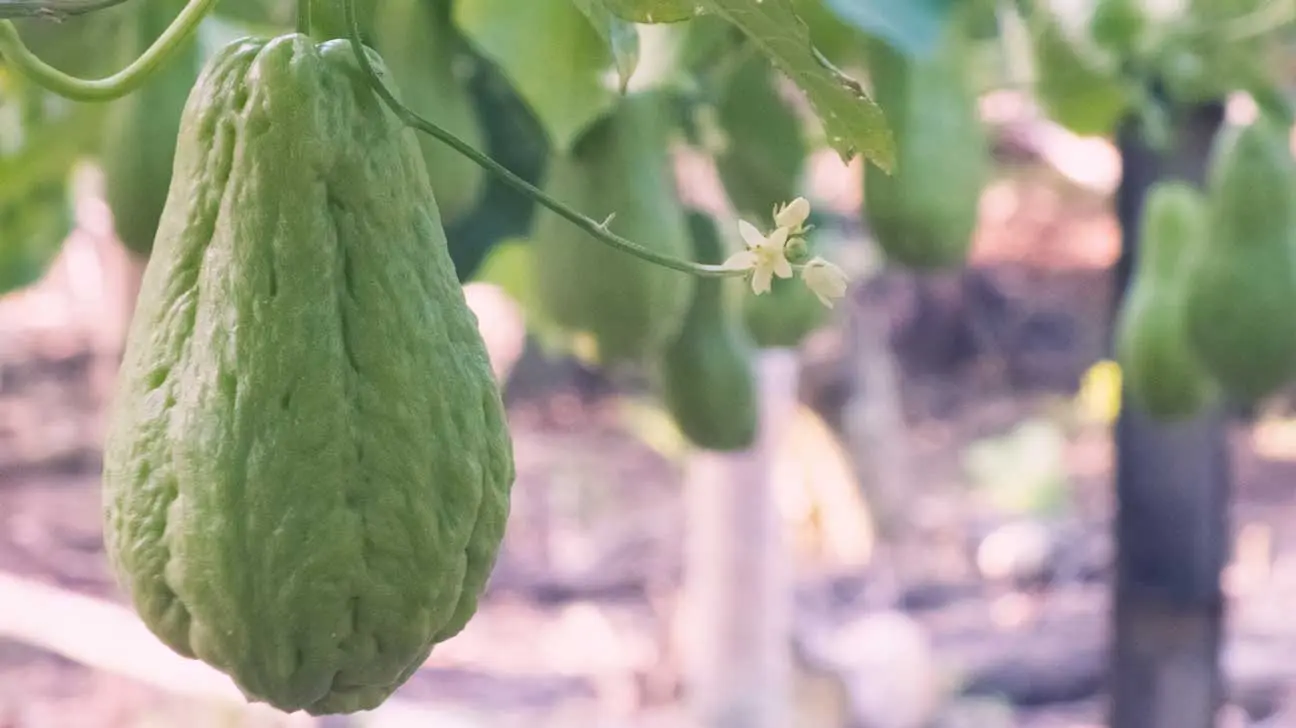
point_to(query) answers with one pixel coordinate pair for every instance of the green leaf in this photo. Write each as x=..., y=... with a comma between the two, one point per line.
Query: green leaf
x=839, y=41
x=853, y=123
x=653, y=11
x=621, y=36
x=552, y=56
x=41, y=135
x=52, y=9
x=912, y=27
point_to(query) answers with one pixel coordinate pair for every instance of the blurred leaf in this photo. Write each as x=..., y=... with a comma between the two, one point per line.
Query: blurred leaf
x=76, y=45
x=41, y=135
x=32, y=230
x=839, y=41
x=621, y=36
x=1023, y=472
x=912, y=27
x=508, y=265
x=551, y=54
x=56, y=10
x=653, y=11
x=853, y=123
x=1077, y=83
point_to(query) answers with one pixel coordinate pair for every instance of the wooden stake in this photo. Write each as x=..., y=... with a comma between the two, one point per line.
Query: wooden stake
x=736, y=609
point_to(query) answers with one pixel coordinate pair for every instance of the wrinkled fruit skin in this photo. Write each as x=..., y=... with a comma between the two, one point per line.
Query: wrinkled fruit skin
x=141, y=129
x=707, y=380
x=418, y=42
x=1157, y=363
x=631, y=307
x=923, y=214
x=1241, y=288
x=307, y=472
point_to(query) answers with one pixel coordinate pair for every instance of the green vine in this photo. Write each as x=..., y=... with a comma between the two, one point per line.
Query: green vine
x=598, y=230
x=117, y=85
x=135, y=74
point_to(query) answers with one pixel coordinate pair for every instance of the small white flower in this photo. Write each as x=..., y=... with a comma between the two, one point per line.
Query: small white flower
x=825, y=280
x=764, y=256
x=792, y=215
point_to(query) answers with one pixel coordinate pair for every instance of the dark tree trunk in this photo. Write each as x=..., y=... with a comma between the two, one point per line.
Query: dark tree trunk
x=1172, y=493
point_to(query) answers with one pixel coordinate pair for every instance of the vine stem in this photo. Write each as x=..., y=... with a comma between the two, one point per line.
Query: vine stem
x=1259, y=22
x=304, y=17
x=117, y=85
x=52, y=9
x=596, y=229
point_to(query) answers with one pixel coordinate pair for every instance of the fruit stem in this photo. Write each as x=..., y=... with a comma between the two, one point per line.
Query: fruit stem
x=117, y=85
x=304, y=17
x=594, y=228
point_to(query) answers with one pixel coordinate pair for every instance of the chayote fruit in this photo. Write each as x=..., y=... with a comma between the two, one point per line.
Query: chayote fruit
x=307, y=472
x=141, y=129
x=924, y=213
x=418, y=41
x=1157, y=363
x=785, y=315
x=765, y=154
x=1241, y=286
x=620, y=167
x=706, y=375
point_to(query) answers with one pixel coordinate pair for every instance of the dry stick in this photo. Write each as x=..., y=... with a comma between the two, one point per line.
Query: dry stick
x=109, y=637
x=874, y=429
x=736, y=625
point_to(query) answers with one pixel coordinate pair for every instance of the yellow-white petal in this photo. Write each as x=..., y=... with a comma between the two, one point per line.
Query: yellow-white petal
x=826, y=280
x=776, y=241
x=750, y=235
x=761, y=279
x=781, y=267
x=742, y=260
x=793, y=214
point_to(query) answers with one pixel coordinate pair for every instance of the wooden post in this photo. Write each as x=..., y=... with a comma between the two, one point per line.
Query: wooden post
x=1172, y=494
x=737, y=599
x=875, y=436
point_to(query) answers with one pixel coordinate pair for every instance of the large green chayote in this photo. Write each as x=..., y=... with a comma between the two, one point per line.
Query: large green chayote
x=308, y=469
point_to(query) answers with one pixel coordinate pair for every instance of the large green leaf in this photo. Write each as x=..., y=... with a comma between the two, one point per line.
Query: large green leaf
x=551, y=54
x=912, y=27
x=621, y=36
x=41, y=137
x=853, y=123
x=653, y=11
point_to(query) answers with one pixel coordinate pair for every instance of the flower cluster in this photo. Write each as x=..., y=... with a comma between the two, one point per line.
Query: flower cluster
x=772, y=255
